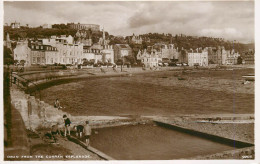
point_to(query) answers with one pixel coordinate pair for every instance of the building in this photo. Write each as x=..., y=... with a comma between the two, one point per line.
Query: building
x=99, y=53
x=232, y=57
x=103, y=41
x=136, y=39
x=15, y=25
x=67, y=52
x=183, y=56
x=169, y=52
x=7, y=42
x=43, y=55
x=82, y=37
x=108, y=54
x=149, y=59
x=217, y=55
x=79, y=26
x=198, y=57
x=122, y=50
x=22, y=52
x=46, y=26
x=249, y=57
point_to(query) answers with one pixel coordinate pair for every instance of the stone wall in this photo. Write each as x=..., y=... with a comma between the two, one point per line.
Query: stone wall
x=36, y=114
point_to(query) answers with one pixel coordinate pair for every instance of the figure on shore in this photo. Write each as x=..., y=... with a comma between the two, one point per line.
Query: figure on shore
x=57, y=104
x=87, y=132
x=114, y=68
x=79, y=130
x=67, y=125
x=55, y=130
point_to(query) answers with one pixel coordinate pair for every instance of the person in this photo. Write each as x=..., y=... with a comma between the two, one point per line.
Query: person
x=54, y=131
x=87, y=132
x=67, y=125
x=57, y=104
x=79, y=130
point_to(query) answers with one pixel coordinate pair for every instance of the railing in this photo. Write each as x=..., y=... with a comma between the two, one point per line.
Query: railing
x=23, y=84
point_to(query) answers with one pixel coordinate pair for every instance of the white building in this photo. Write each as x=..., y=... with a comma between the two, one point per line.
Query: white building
x=149, y=59
x=99, y=53
x=67, y=52
x=198, y=57
x=22, y=52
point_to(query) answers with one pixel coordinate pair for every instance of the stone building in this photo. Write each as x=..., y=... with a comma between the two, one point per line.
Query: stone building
x=99, y=52
x=169, y=52
x=198, y=57
x=183, y=56
x=82, y=37
x=136, y=39
x=67, y=52
x=217, y=55
x=15, y=25
x=122, y=50
x=79, y=26
x=151, y=59
x=22, y=52
x=232, y=57
x=248, y=57
x=43, y=55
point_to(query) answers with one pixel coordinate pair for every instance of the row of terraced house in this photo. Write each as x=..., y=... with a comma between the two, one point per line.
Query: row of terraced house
x=65, y=50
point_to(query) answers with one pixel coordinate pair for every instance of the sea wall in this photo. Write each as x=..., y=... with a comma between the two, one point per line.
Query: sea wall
x=36, y=114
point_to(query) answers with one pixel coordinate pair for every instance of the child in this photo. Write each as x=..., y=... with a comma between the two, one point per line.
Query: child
x=67, y=124
x=87, y=131
x=57, y=104
x=54, y=131
x=79, y=130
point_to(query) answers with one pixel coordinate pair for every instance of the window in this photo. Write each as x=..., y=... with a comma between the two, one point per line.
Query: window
x=34, y=59
x=37, y=47
x=38, y=60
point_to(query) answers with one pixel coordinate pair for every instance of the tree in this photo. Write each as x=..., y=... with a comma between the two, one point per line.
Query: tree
x=16, y=62
x=130, y=59
x=85, y=62
x=120, y=62
x=239, y=60
x=8, y=61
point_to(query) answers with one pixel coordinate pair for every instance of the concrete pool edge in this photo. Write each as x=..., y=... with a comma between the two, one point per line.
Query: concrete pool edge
x=243, y=147
x=91, y=149
x=240, y=144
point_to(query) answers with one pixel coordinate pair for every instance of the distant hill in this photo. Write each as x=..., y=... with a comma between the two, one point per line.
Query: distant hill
x=188, y=42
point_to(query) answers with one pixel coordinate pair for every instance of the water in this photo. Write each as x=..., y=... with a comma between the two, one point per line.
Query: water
x=148, y=142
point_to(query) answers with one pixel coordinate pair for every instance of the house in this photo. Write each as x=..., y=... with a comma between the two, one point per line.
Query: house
x=198, y=57
x=122, y=50
x=22, y=52
x=150, y=59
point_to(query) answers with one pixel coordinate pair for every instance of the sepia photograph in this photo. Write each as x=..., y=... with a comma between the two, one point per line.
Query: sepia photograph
x=128, y=80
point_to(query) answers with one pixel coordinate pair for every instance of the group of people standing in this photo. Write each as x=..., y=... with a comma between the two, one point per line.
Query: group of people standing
x=80, y=129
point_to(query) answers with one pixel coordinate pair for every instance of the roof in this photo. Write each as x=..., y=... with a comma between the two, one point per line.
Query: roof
x=123, y=46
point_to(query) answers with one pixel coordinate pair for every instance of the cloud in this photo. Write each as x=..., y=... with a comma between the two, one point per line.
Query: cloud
x=219, y=33
x=233, y=20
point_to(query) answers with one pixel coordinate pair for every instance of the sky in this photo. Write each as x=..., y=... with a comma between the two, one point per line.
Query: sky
x=222, y=19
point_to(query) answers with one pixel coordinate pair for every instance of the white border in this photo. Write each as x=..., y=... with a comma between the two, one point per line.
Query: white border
x=257, y=112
